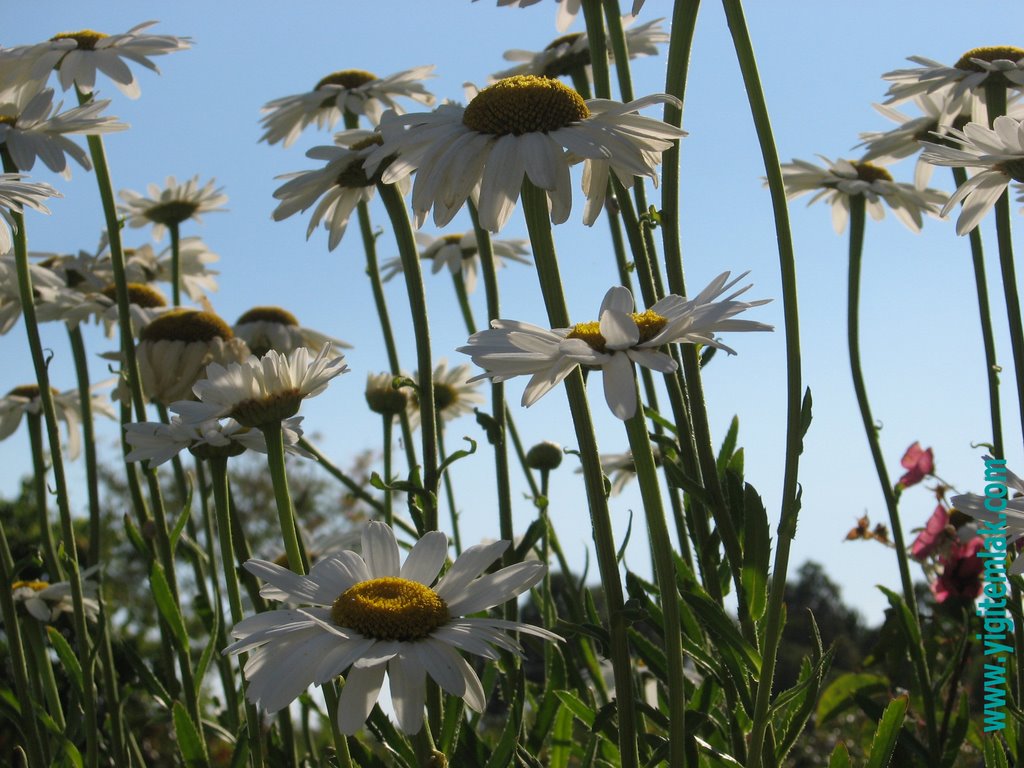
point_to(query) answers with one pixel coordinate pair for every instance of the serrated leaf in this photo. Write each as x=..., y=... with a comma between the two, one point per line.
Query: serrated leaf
x=888, y=731
x=561, y=740
x=489, y=425
x=728, y=444
x=168, y=608
x=995, y=754
x=146, y=676
x=68, y=658
x=575, y=704
x=71, y=755
x=839, y=695
x=805, y=415
x=191, y=746
x=723, y=630
x=461, y=454
x=505, y=749
x=840, y=757
x=186, y=512
x=757, y=547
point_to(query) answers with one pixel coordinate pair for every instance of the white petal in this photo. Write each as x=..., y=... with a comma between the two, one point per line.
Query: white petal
x=426, y=558
x=380, y=550
x=362, y=686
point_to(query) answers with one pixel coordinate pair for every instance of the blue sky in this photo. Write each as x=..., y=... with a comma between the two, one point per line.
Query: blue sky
x=820, y=64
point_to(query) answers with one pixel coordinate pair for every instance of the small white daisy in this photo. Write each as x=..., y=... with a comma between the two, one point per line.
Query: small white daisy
x=260, y=391
x=46, y=284
x=267, y=328
x=460, y=254
x=570, y=53
x=68, y=406
x=613, y=343
x=156, y=442
x=173, y=204
x=522, y=127
x=621, y=469
x=351, y=90
x=15, y=194
x=339, y=186
x=371, y=615
x=45, y=602
x=455, y=394
x=144, y=265
x=1000, y=155
x=77, y=305
x=80, y=55
x=567, y=10
x=845, y=178
x=383, y=397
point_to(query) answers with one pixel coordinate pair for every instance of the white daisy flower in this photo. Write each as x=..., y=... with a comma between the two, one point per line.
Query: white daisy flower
x=15, y=194
x=621, y=469
x=46, y=284
x=974, y=505
x=844, y=178
x=460, y=254
x=339, y=186
x=455, y=394
x=74, y=306
x=1002, y=64
x=350, y=90
x=68, y=406
x=259, y=391
x=45, y=602
x=613, y=343
x=144, y=265
x=371, y=615
x=84, y=53
x=267, y=328
x=567, y=10
x=156, y=442
x=570, y=53
x=32, y=127
x=1000, y=155
x=173, y=204
x=517, y=128
x=383, y=397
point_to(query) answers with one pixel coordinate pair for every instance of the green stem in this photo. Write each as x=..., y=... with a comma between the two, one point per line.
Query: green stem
x=285, y=510
x=388, y=421
x=35, y=438
x=175, y=264
x=449, y=492
x=463, y=298
x=39, y=644
x=89, y=442
x=408, y=252
x=598, y=48
x=334, y=471
x=536, y=210
x=111, y=688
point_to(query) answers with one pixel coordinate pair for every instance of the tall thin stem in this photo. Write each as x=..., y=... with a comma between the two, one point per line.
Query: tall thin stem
x=285, y=509
x=173, y=228
x=88, y=441
x=35, y=439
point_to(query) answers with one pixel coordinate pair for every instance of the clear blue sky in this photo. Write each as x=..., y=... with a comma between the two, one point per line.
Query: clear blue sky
x=820, y=64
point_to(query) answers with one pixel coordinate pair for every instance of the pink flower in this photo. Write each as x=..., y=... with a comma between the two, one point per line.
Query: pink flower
x=931, y=537
x=961, y=572
x=918, y=463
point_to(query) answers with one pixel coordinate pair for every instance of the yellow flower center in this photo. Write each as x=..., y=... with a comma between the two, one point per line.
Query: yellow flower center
x=569, y=62
x=267, y=410
x=139, y=294
x=382, y=397
x=1012, y=168
x=390, y=608
x=370, y=141
x=35, y=586
x=86, y=38
x=8, y=119
x=870, y=172
x=186, y=325
x=649, y=323
x=524, y=104
x=268, y=315
x=172, y=212
x=990, y=54
x=445, y=396
x=347, y=78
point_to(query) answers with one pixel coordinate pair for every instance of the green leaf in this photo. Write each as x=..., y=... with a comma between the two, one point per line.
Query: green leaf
x=146, y=676
x=757, y=547
x=840, y=757
x=67, y=657
x=505, y=749
x=625, y=539
x=575, y=704
x=71, y=756
x=490, y=426
x=657, y=418
x=995, y=754
x=720, y=625
x=805, y=416
x=677, y=478
x=839, y=696
x=186, y=512
x=452, y=458
x=887, y=733
x=561, y=740
x=190, y=744
x=208, y=651
x=706, y=355
x=168, y=608
x=728, y=444
x=136, y=538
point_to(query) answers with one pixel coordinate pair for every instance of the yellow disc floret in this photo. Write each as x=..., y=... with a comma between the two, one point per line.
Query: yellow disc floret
x=86, y=38
x=649, y=324
x=172, y=212
x=524, y=104
x=347, y=78
x=268, y=315
x=186, y=325
x=260, y=412
x=390, y=608
x=989, y=53
x=139, y=294
x=35, y=586
x=870, y=172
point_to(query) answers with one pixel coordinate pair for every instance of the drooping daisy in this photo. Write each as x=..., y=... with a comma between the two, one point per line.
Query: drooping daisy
x=522, y=127
x=350, y=90
x=156, y=442
x=259, y=391
x=567, y=9
x=613, y=343
x=339, y=186
x=45, y=602
x=267, y=328
x=68, y=406
x=460, y=254
x=383, y=397
x=78, y=56
x=45, y=284
x=570, y=54
x=845, y=178
x=173, y=204
x=15, y=194
x=1000, y=155
x=454, y=394
x=621, y=469
x=32, y=127
x=974, y=505
x=1001, y=64
x=371, y=615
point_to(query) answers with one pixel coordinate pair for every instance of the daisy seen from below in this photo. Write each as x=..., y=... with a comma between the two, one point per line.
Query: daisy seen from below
x=567, y=10
x=45, y=602
x=45, y=283
x=25, y=400
x=347, y=179
x=522, y=127
x=355, y=91
x=370, y=614
x=261, y=390
x=78, y=56
x=570, y=54
x=613, y=343
x=997, y=151
x=461, y=255
x=172, y=205
x=144, y=265
x=15, y=194
x=840, y=180
x=267, y=328
x=454, y=394
x=383, y=397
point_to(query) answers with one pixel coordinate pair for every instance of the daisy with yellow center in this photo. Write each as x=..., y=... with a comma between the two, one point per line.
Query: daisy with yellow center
x=454, y=394
x=15, y=195
x=267, y=328
x=460, y=254
x=45, y=602
x=620, y=338
x=522, y=127
x=349, y=90
x=46, y=284
x=836, y=183
x=372, y=615
x=68, y=406
x=172, y=205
